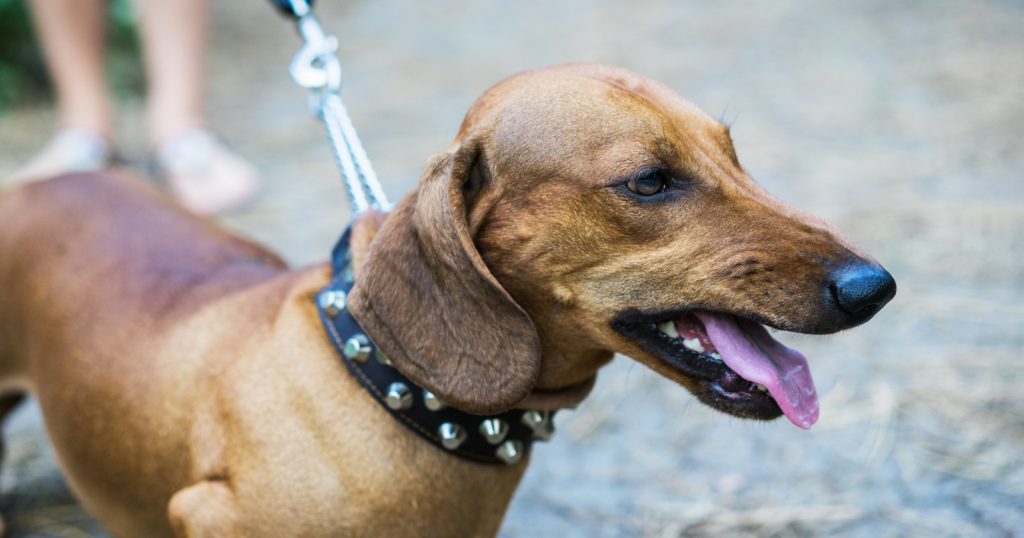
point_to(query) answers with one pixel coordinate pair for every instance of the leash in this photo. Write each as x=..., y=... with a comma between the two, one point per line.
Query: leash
x=502, y=439
x=317, y=68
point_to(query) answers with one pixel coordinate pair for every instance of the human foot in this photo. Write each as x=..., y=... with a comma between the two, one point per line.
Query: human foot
x=70, y=150
x=205, y=176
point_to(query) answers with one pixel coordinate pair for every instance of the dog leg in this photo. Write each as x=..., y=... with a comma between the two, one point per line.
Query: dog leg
x=8, y=403
x=205, y=509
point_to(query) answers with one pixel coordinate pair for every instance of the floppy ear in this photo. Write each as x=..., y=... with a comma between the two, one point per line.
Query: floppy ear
x=429, y=302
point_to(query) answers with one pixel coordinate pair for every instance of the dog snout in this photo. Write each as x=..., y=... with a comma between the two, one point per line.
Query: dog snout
x=861, y=289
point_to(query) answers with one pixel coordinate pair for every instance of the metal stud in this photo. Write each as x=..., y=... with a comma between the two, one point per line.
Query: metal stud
x=432, y=402
x=331, y=301
x=452, y=435
x=541, y=424
x=399, y=396
x=382, y=358
x=358, y=348
x=494, y=430
x=510, y=452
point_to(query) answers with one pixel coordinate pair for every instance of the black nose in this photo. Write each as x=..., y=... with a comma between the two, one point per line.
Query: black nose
x=862, y=289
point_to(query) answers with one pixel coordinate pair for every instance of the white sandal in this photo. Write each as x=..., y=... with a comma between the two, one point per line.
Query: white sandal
x=71, y=150
x=204, y=175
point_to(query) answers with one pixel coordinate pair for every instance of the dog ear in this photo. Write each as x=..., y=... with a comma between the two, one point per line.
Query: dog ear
x=429, y=302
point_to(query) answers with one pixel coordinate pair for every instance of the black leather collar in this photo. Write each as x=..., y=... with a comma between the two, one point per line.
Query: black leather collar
x=500, y=439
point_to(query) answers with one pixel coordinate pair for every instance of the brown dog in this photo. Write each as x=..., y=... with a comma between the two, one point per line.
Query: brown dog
x=189, y=389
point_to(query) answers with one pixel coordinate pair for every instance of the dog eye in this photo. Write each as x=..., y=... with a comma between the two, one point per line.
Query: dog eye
x=649, y=184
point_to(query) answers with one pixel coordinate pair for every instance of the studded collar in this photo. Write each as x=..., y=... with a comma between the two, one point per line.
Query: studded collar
x=501, y=439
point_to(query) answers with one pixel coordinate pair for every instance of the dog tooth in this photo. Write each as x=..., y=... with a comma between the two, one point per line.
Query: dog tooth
x=714, y=355
x=693, y=344
x=761, y=387
x=669, y=328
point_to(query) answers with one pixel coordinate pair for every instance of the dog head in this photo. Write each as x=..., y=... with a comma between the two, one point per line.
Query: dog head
x=582, y=211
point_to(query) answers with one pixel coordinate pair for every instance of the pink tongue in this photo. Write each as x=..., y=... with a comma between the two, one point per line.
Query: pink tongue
x=751, y=352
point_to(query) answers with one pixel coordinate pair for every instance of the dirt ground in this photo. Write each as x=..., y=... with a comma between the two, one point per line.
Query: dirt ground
x=900, y=122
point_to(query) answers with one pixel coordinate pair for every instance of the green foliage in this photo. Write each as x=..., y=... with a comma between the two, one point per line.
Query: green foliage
x=23, y=75
x=21, y=71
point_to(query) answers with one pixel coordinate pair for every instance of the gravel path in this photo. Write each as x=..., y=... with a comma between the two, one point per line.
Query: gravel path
x=899, y=122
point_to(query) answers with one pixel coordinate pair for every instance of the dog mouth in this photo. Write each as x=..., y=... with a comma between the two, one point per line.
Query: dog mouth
x=742, y=370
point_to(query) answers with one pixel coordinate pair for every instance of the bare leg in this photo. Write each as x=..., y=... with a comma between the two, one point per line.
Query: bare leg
x=174, y=42
x=71, y=35
x=205, y=176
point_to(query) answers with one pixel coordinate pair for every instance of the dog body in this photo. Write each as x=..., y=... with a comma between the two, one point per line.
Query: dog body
x=189, y=390
x=161, y=417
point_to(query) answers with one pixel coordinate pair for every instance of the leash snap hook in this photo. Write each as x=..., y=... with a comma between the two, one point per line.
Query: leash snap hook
x=316, y=66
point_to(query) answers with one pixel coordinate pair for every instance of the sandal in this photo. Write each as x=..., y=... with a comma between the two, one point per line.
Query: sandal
x=205, y=176
x=71, y=150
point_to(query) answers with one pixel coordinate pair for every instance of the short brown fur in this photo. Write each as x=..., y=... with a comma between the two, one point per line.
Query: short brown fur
x=189, y=390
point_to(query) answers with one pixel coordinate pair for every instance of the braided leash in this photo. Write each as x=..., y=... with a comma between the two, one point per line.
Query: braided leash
x=317, y=68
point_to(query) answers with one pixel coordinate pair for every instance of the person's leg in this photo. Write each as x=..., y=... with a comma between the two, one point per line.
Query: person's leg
x=174, y=44
x=205, y=176
x=71, y=34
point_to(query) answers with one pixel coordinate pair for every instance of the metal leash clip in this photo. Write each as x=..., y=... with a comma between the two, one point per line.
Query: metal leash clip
x=317, y=68
x=293, y=9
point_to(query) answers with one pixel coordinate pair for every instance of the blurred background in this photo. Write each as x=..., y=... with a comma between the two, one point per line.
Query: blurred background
x=900, y=122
